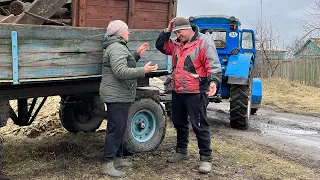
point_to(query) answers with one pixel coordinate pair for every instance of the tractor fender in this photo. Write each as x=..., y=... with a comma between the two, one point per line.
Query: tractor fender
x=237, y=69
x=256, y=93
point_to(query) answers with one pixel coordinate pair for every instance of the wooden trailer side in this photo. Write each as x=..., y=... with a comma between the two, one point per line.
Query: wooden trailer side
x=138, y=14
x=55, y=52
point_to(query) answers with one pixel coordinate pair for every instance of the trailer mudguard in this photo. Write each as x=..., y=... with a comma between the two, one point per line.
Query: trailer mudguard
x=237, y=69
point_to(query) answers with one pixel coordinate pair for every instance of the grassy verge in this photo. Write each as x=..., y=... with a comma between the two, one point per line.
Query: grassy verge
x=291, y=97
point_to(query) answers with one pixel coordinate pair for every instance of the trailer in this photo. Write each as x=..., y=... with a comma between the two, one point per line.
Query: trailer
x=37, y=61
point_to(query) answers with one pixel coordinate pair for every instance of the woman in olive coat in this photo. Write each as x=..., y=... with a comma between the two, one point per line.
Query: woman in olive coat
x=118, y=91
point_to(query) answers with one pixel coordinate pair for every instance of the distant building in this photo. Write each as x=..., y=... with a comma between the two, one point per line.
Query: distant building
x=310, y=49
x=272, y=54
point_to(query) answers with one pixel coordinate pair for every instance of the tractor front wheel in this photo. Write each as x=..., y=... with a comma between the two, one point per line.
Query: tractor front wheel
x=240, y=102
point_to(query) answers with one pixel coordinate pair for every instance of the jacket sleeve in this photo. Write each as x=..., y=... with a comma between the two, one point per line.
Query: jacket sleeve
x=136, y=56
x=212, y=62
x=118, y=61
x=164, y=44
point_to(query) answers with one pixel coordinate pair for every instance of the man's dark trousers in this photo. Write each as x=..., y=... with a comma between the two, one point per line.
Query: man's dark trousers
x=117, y=115
x=195, y=106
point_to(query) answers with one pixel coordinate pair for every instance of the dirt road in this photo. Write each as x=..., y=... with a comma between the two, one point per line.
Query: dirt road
x=289, y=135
x=276, y=146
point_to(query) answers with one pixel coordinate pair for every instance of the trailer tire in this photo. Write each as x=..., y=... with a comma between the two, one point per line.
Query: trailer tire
x=146, y=126
x=4, y=112
x=77, y=116
x=239, y=109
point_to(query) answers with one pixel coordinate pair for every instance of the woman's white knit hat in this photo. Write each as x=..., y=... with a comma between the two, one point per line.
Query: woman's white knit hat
x=117, y=28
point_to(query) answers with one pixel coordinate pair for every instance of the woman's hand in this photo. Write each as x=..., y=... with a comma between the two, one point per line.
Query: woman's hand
x=143, y=48
x=148, y=68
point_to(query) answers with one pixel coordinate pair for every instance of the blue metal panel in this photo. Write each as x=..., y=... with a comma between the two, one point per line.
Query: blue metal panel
x=256, y=90
x=214, y=20
x=15, y=60
x=238, y=66
x=169, y=64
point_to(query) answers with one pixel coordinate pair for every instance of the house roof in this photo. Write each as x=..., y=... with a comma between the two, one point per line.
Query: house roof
x=314, y=40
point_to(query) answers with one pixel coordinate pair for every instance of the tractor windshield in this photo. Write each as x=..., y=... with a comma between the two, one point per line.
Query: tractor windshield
x=218, y=36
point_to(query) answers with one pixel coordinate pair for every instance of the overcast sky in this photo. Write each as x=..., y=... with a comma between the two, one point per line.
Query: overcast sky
x=285, y=14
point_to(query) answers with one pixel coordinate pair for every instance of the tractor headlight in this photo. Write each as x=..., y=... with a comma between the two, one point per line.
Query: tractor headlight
x=232, y=18
x=191, y=18
x=235, y=51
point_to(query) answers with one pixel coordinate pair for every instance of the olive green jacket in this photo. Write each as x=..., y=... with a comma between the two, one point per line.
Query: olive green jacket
x=119, y=72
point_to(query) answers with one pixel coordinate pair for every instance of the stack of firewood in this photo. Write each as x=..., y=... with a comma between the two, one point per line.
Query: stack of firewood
x=36, y=12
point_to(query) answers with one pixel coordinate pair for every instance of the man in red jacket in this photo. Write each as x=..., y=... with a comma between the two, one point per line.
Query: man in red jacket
x=196, y=74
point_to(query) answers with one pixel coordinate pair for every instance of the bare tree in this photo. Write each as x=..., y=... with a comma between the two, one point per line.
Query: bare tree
x=268, y=45
x=311, y=25
x=294, y=47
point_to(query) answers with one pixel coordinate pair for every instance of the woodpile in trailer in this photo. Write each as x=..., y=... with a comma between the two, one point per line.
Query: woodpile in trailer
x=138, y=14
x=51, y=12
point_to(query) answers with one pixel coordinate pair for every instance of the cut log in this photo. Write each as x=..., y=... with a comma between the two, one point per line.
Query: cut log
x=43, y=8
x=17, y=7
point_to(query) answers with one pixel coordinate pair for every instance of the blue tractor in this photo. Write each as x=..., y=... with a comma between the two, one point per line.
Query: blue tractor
x=237, y=54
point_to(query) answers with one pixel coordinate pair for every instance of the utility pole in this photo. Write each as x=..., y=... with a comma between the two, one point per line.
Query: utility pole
x=262, y=50
x=261, y=24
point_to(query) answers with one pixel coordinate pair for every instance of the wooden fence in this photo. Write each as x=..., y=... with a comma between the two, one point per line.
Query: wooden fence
x=305, y=71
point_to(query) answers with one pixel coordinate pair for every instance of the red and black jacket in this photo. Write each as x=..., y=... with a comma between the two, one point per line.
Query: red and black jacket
x=195, y=64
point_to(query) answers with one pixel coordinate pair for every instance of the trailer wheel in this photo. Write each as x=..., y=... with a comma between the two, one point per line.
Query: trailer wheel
x=4, y=112
x=240, y=106
x=78, y=116
x=146, y=126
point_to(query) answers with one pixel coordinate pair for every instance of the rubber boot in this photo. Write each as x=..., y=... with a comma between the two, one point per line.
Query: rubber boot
x=2, y=175
x=176, y=157
x=205, y=164
x=205, y=167
x=121, y=163
x=109, y=169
